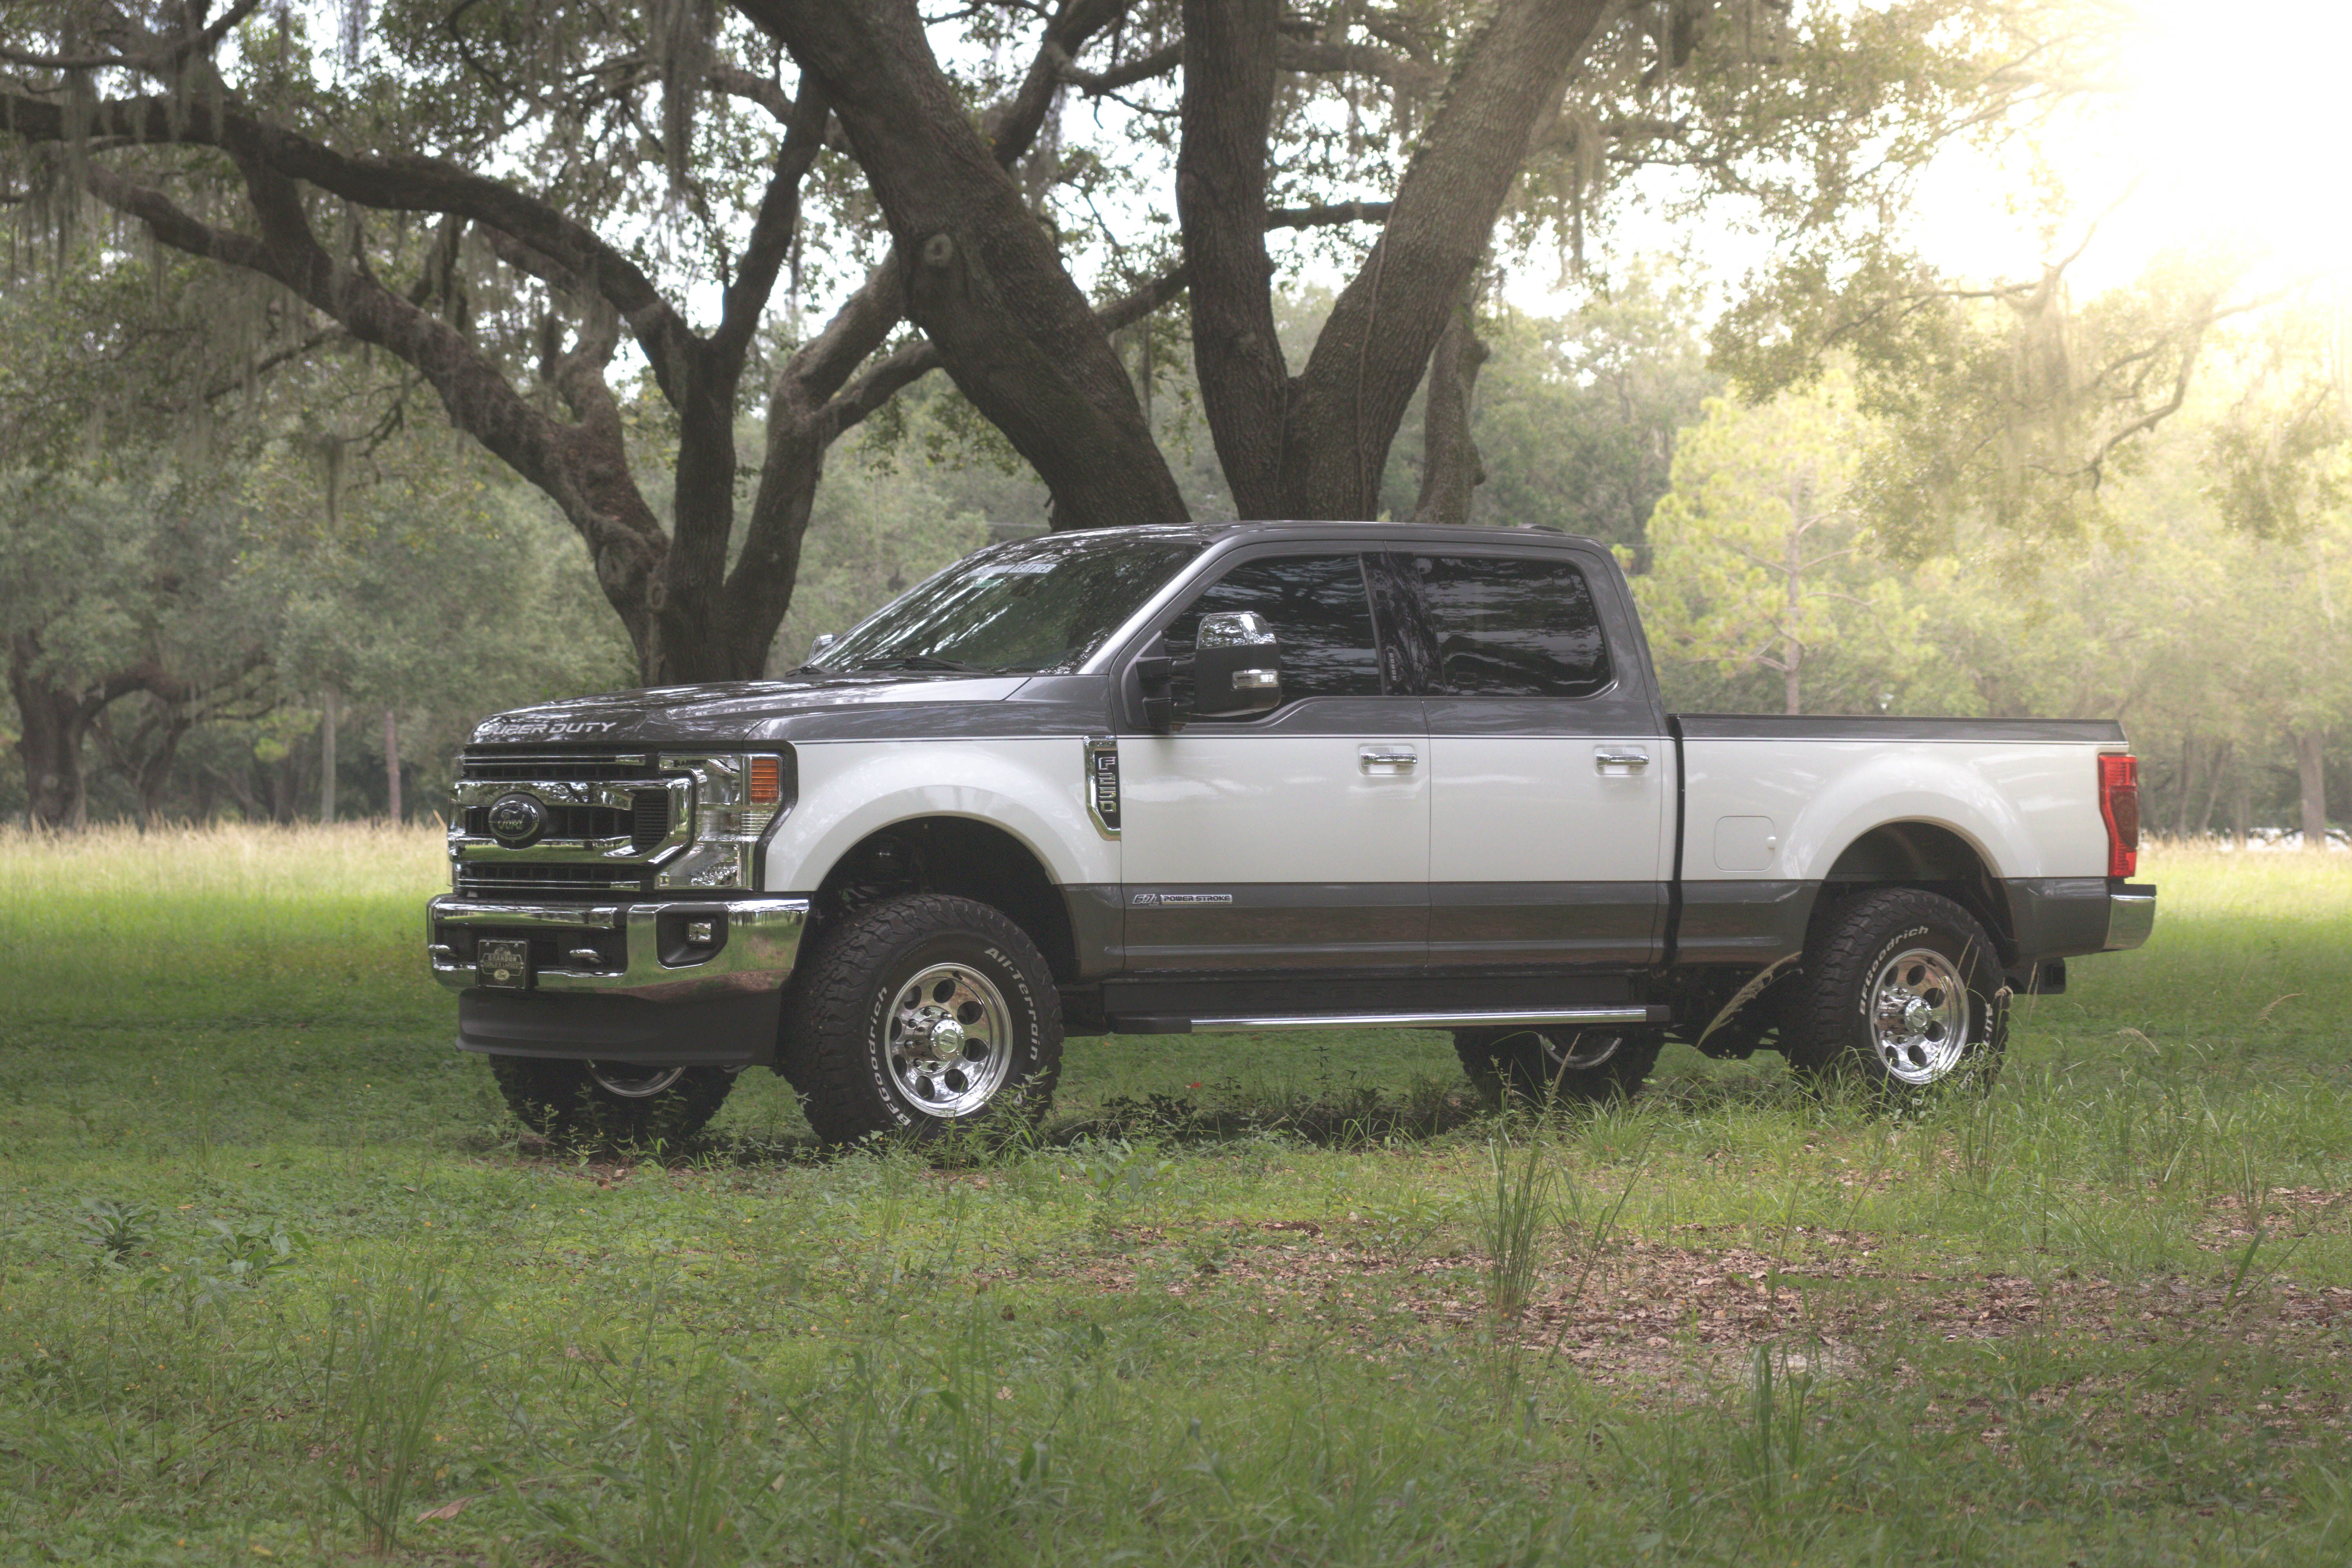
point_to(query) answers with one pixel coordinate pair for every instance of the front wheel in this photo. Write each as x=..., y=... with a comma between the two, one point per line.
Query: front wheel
x=1545, y=1066
x=1900, y=995
x=616, y=1102
x=920, y=1014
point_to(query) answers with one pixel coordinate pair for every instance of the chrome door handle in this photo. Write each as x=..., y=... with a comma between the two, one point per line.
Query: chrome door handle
x=1387, y=759
x=1619, y=759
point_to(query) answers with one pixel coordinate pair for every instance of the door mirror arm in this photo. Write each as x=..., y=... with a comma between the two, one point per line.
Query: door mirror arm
x=1154, y=673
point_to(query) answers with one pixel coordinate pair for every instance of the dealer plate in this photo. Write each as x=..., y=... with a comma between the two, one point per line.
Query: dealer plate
x=506, y=965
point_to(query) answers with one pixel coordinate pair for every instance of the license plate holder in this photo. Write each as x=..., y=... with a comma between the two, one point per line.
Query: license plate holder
x=503, y=963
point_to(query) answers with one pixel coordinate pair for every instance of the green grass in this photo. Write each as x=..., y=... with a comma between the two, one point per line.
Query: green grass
x=1276, y=1299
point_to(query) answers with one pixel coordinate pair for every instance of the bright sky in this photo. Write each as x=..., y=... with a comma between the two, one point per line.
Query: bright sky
x=2231, y=131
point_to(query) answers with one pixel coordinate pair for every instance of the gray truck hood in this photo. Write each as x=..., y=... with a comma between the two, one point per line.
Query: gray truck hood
x=879, y=706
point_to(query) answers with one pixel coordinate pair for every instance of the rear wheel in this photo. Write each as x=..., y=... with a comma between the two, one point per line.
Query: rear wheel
x=619, y=1103
x=1543, y=1066
x=920, y=1014
x=1900, y=995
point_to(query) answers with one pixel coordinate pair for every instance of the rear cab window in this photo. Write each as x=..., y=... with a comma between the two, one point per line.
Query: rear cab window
x=1504, y=626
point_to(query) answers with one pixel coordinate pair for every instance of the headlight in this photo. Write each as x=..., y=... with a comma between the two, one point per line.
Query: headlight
x=737, y=798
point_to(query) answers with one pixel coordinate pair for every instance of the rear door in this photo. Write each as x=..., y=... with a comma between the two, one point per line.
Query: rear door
x=1298, y=839
x=1549, y=823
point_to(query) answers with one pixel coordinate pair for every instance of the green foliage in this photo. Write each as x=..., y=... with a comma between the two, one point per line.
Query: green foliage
x=1753, y=552
x=876, y=530
x=1578, y=415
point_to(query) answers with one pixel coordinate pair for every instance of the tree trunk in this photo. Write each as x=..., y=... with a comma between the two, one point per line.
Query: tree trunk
x=145, y=756
x=327, y=756
x=2217, y=765
x=985, y=282
x=2242, y=808
x=1795, y=571
x=1450, y=466
x=52, y=720
x=1221, y=170
x=2311, y=770
x=1344, y=409
x=2188, y=767
x=392, y=768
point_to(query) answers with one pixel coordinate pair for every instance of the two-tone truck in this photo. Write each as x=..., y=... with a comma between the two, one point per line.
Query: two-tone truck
x=1249, y=777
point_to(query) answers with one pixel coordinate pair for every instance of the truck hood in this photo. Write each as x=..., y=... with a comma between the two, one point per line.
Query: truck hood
x=877, y=705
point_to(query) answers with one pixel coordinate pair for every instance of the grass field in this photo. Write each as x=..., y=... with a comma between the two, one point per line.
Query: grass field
x=279, y=1283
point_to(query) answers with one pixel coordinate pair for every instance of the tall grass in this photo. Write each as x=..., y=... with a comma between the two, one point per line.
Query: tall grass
x=393, y=1349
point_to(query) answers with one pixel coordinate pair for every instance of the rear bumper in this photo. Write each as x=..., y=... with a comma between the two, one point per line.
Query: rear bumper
x=2066, y=917
x=673, y=982
x=2131, y=915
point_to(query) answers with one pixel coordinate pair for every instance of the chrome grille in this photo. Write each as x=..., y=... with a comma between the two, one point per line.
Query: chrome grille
x=644, y=822
x=610, y=821
x=568, y=767
x=544, y=880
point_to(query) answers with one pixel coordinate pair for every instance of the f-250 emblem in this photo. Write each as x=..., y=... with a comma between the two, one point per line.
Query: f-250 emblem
x=516, y=820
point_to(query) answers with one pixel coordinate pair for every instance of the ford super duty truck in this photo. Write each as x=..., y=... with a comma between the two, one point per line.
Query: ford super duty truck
x=1188, y=780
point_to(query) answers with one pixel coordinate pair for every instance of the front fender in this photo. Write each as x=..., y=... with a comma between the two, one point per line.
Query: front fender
x=1034, y=789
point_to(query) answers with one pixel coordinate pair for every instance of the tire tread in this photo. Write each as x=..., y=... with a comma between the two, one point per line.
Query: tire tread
x=829, y=1006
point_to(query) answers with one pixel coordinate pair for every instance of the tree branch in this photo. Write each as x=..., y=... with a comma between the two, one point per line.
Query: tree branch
x=404, y=184
x=1312, y=57
x=1159, y=62
x=160, y=61
x=1327, y=213
x=771, y=233
x=1012, y=127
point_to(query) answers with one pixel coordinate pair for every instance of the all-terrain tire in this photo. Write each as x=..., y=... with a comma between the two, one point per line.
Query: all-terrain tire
x=865, y=1038
x=1901, y=995
x=1558, y=1066
x=609, y=1102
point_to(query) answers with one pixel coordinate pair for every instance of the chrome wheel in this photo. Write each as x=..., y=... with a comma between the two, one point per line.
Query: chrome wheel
x=633, y=1082
x=1919, y=1015
x=951, y=1040
x=1582, y=1052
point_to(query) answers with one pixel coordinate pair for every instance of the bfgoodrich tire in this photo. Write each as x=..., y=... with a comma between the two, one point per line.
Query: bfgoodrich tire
x=1900, y=995
x=1558, y=1066
x=612, y=1102
x=922, y=1013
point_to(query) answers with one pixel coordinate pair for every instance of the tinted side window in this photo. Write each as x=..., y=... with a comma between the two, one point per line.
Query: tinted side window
x=1513, y=626
x=1316, y=606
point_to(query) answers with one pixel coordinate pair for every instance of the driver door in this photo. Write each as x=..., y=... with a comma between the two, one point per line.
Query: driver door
x=1293, y=840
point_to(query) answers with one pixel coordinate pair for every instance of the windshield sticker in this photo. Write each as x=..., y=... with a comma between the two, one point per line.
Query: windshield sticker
x=1017, y=569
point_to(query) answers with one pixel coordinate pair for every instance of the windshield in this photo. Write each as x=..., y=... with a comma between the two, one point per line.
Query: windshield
x=1029, y=606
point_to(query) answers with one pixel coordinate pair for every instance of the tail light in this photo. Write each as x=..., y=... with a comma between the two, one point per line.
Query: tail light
x=2119, y=805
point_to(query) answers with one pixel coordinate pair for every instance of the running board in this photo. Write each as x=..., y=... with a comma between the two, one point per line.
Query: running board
x=1132, y=1024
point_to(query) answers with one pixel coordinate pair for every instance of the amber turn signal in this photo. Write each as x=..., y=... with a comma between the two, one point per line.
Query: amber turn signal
x=767, y=780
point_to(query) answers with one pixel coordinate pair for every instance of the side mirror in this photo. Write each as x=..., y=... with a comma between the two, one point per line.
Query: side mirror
x=1236, y=666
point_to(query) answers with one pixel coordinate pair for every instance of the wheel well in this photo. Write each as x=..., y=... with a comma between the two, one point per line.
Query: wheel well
x=1923, y=855
x=960, y=856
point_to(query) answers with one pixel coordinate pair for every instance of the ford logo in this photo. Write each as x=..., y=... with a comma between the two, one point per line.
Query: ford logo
x=516, y=819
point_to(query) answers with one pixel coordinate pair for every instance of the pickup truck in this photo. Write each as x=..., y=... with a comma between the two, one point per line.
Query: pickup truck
x=1248, y=777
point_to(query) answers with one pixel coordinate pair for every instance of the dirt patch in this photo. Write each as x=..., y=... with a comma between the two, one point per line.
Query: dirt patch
x=1675, y=1318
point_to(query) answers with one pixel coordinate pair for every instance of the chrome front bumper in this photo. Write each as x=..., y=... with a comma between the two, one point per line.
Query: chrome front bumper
x=762, y=940
x=2131, y=915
